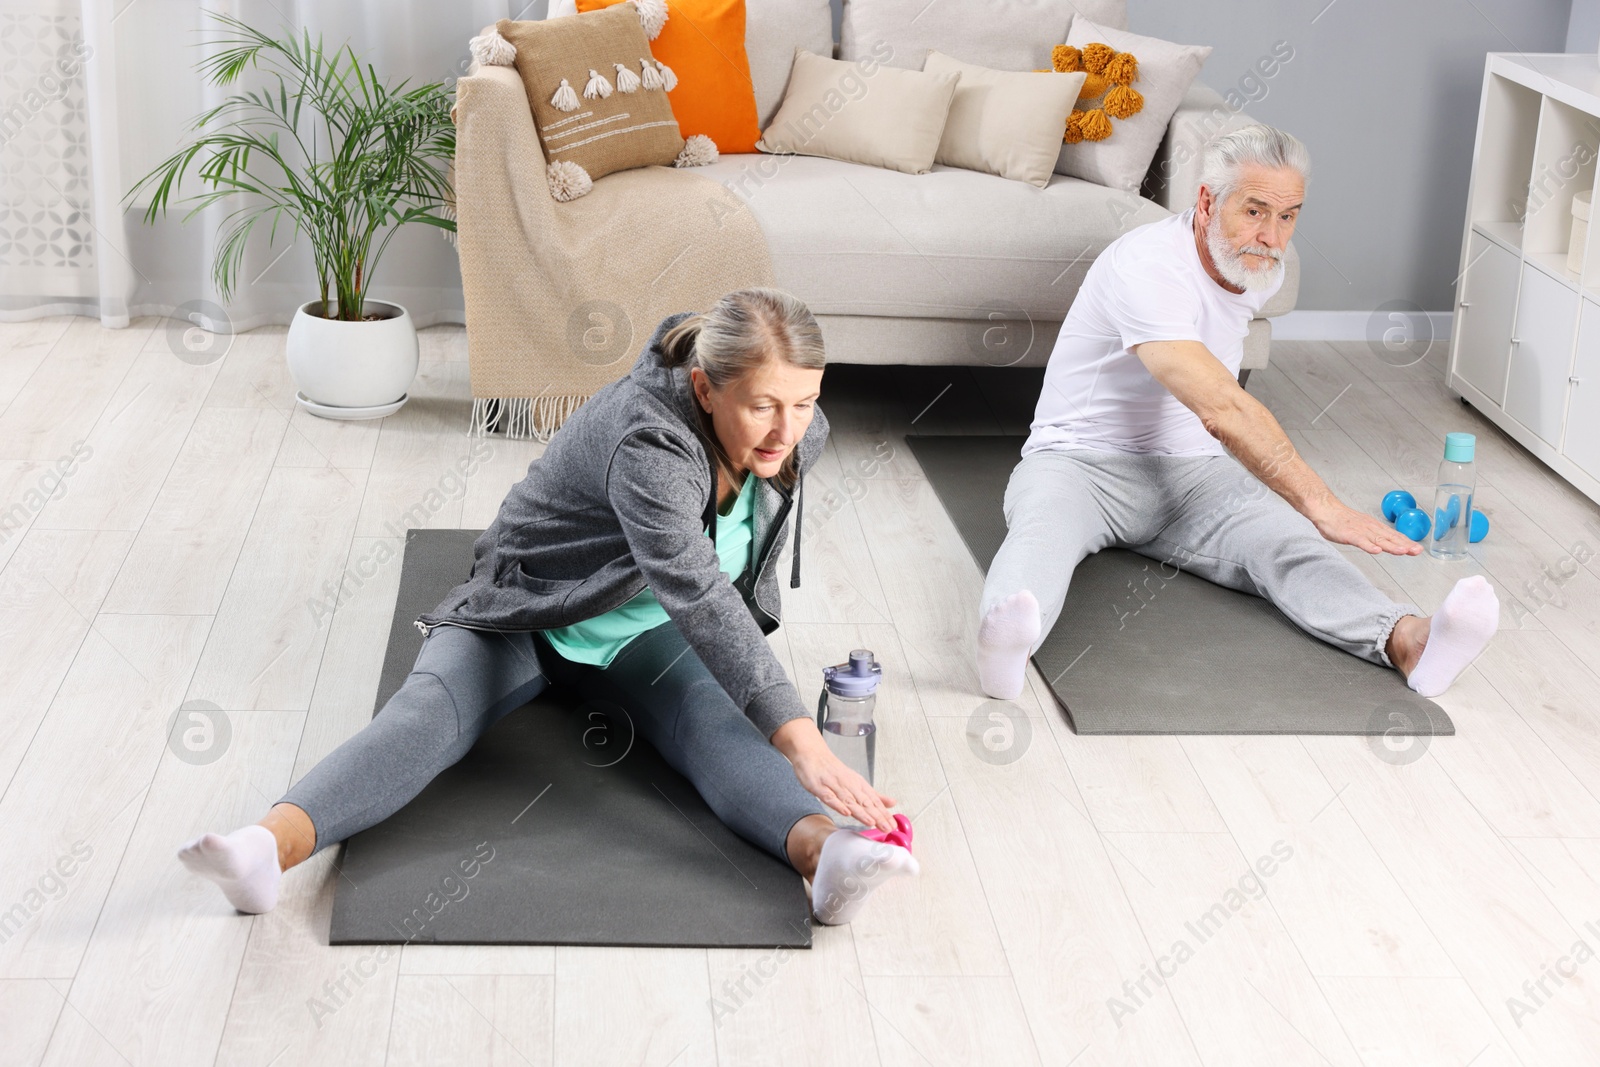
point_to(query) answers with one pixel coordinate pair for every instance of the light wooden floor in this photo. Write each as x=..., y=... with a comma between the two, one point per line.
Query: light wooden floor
x=177, y=565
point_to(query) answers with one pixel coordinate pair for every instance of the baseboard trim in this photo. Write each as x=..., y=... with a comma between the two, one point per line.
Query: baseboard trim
x=1355, y=325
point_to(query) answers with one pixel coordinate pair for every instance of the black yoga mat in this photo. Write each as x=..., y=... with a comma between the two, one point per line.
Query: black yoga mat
x=560, y=827
x=1178, y=655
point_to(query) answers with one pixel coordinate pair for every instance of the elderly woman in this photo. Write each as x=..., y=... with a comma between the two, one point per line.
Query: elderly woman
x=634, y=562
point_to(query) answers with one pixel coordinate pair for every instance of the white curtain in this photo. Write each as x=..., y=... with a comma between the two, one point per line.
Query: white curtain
x=96, y=93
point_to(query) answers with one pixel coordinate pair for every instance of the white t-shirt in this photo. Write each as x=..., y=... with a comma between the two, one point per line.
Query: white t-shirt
x=1148, y=285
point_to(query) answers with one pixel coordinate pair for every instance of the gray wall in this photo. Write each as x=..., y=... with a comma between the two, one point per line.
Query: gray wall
x=1385, y=95
x=1583, y=28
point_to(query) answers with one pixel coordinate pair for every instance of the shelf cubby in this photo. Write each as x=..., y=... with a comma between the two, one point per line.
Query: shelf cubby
x=1510, y=119
x=1563, y=165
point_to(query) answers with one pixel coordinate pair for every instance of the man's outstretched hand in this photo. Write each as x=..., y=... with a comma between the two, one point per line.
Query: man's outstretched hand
x=1346, y=526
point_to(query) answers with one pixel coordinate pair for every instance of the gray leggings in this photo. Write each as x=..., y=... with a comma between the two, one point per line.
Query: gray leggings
x=1206, y=515
x=464, y=681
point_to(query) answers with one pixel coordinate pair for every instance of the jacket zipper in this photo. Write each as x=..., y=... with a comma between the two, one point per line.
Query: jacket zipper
x=428, y=627
x=772, y=535
x=766, y=557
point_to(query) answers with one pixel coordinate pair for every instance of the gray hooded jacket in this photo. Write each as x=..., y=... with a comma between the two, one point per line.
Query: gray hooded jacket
x=621, y=499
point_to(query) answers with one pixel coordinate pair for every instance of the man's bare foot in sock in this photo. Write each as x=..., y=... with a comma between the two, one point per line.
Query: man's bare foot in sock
x=249, y=863
x=1431, y=653
x=1005, y=639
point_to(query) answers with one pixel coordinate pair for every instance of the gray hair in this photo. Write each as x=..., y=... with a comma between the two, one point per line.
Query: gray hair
x=1266, y=146
x=740, y=333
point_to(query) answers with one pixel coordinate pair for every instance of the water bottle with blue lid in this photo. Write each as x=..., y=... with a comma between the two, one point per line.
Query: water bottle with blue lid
x=1452, y=501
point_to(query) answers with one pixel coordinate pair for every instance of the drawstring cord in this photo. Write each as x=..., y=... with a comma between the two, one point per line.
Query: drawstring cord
x=799, y=512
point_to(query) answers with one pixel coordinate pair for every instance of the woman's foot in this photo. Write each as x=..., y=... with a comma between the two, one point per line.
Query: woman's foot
x=244, y=863
x=852, y=865
x=249, y=862
x=1005, y=640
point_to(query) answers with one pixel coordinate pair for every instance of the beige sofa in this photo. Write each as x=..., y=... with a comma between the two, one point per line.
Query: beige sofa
x=950, y=267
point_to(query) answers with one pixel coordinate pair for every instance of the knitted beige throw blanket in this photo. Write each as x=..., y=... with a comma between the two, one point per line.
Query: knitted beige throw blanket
x=560, y=297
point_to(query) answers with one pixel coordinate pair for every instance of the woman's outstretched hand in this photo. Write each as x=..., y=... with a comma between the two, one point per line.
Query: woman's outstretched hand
x=828, y=778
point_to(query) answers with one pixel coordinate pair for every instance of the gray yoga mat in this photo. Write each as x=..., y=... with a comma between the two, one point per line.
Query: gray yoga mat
x=1182, y=656
x=558, y=828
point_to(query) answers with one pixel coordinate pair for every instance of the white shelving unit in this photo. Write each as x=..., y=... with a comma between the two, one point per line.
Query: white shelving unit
x=1525, y=347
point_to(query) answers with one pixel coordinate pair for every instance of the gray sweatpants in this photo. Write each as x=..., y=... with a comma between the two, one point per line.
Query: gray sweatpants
x=464, y=681
x=1206, y=515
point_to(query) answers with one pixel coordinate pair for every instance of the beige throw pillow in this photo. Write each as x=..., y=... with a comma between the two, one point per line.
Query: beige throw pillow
x=1165, y=73
x=588, y=112
x=861, y=113
x=1004, y=122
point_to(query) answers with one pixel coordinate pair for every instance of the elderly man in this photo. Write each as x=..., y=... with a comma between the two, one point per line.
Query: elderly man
x=1131, y=438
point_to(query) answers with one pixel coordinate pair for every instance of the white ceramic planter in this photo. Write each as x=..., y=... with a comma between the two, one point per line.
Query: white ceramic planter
x=352, y=370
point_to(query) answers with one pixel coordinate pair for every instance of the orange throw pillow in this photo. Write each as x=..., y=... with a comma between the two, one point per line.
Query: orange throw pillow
x=703, y=43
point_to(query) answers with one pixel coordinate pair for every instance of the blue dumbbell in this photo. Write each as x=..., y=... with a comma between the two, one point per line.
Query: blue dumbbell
x=1479, y=528
x=1445, y=518
x=1396, y=502
x=1413, y=522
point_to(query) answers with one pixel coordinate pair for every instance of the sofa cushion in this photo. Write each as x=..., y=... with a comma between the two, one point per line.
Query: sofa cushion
x=773, y=29
x=1003, y=34
x=582, y=118
x=1166, y=71
x=1004, y=122
x=851, y=239
x=874, y=115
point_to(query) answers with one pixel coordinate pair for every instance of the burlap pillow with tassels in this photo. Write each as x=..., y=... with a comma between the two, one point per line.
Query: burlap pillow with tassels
x=599, y=99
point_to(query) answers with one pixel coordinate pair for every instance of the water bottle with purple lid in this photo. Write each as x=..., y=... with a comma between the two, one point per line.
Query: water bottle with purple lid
x=844, y=711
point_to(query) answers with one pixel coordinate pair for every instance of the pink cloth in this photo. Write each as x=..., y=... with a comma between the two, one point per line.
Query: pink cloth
x=901, y=836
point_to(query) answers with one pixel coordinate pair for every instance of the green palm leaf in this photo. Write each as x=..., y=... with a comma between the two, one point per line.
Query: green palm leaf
x=321, y=144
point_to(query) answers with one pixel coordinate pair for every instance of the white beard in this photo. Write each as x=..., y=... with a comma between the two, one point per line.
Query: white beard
x=1230, y=263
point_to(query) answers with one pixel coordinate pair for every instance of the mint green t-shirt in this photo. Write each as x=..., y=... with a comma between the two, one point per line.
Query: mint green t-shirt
x=598, y=640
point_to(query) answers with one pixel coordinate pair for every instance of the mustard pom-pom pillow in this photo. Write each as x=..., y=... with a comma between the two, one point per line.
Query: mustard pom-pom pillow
x=1107, y=92
x=1138, y=83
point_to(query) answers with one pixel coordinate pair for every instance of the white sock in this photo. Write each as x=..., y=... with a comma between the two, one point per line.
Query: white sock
x=1005, y=638
x=849, y=869
x=244, y=864
x=1458, y=631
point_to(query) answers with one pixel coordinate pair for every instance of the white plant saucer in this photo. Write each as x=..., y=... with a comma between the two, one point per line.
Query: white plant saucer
x=330, y=411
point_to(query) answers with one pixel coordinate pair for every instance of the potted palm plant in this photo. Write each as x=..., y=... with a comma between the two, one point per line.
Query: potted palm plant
x=348, y=160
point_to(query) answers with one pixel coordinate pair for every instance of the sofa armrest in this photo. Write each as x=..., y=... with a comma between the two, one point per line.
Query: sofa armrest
x=1173, y=179
x=503, y=210
x=499, y=158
